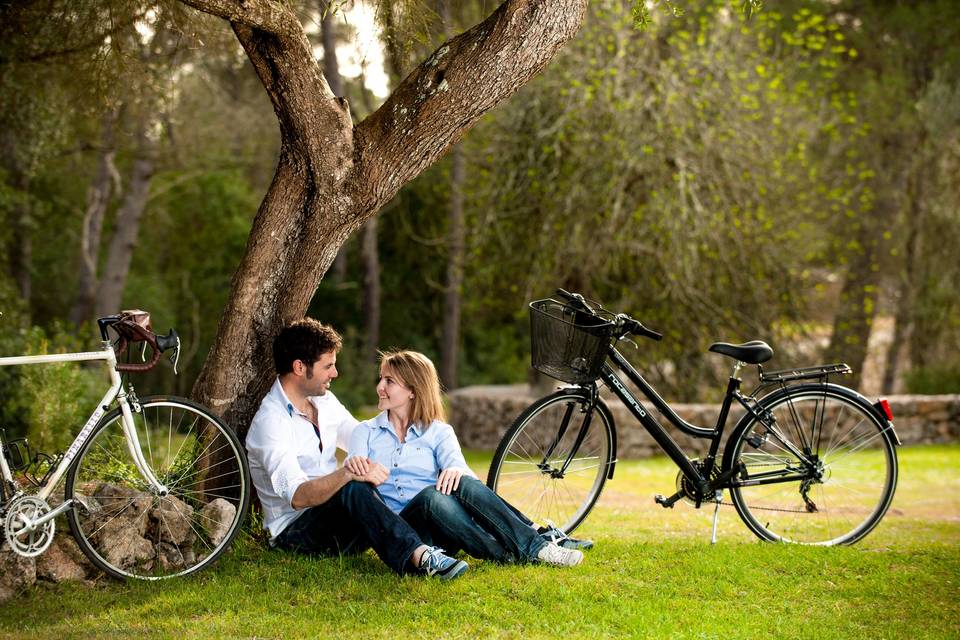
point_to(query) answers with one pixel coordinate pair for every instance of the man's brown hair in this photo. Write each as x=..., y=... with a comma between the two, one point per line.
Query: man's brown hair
x=305, y=340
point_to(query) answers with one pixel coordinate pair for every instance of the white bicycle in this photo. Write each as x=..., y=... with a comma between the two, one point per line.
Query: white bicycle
x=156, y=487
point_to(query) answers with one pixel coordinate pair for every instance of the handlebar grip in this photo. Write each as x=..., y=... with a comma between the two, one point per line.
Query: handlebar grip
x=149, y=337
x=138, y=367
x=653, y=335
x=638, y=329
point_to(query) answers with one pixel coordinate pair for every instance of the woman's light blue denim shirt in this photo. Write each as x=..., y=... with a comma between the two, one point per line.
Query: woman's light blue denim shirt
x=413, y=464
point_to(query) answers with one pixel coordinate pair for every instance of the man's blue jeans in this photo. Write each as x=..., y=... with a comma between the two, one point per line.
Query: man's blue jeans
x=475, y=519
x=352, y=521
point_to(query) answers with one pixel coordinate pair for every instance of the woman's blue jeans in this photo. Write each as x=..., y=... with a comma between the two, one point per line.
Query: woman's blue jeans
x=473, y=519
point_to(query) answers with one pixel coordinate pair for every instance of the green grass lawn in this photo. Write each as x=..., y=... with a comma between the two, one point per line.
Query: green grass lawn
x=652, y=574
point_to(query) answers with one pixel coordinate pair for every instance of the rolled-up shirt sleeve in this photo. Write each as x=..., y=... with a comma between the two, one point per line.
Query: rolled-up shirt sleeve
x=447, y=450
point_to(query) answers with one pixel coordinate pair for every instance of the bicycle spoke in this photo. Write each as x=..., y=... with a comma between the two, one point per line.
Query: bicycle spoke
x=850, y=481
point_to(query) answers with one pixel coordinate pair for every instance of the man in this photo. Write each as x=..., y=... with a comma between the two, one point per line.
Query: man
x=310, y=505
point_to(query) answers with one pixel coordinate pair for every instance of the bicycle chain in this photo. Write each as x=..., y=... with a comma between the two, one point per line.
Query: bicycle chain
x=769, y=464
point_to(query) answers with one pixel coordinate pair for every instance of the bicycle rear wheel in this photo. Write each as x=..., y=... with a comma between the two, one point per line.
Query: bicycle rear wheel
x=540, y=468
x=130, y=532
x=840, y=459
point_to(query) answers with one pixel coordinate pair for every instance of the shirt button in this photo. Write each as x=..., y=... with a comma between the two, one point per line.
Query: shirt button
x=394, y=464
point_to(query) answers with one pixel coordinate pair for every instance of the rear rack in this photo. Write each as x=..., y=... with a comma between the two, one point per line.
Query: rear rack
x=804, y=373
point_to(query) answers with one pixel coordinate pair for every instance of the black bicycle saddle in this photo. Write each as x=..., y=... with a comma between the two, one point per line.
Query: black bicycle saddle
x=753, y=352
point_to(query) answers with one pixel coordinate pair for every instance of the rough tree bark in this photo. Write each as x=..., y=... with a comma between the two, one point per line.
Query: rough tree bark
x=331, y=176
x=98, y=199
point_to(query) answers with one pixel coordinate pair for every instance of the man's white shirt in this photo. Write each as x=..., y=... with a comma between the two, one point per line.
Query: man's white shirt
x=284, y=451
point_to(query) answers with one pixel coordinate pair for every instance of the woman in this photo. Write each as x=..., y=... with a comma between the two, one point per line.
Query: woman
x=430, y=485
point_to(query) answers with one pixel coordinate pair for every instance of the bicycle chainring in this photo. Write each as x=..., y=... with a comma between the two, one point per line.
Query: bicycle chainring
x=685, y=487
x=17, y=521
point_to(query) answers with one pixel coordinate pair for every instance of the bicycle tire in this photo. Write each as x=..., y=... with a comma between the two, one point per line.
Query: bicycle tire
x=850, y=463
x=523, y=477
x=128, y=531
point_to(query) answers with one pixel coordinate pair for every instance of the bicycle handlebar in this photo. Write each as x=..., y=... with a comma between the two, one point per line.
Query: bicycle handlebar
x=622, y=320
x=158, y=343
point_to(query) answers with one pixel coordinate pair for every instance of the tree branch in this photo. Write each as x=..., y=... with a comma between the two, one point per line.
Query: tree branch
x=266, y=15
x=463, y=79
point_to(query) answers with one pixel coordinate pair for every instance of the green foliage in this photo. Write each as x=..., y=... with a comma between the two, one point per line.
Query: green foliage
x=195, y=233
x=694, y=190
x=48, y=403
x=711, y=175
x=934, y=380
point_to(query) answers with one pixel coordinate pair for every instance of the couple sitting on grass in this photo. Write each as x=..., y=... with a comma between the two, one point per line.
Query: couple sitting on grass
x=404, y=488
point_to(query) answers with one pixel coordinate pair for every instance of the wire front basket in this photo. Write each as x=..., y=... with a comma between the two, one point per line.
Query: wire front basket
x=566, y=343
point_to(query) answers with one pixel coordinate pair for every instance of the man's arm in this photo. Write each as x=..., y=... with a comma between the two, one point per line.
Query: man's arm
x=317, y=491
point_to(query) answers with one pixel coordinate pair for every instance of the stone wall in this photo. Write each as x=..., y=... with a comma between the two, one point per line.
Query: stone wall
x=481, y=416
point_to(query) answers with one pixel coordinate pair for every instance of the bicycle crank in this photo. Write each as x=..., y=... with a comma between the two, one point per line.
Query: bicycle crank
x=26, y=528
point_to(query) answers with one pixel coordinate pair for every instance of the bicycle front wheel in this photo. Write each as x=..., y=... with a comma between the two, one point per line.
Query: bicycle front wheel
x=129, y=531
x=553, y=461
x=820, y=469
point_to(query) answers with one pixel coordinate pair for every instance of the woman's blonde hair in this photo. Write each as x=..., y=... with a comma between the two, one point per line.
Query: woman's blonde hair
x=417, y=372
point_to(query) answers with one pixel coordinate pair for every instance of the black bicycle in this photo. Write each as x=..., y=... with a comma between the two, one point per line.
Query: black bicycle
x=810, y=461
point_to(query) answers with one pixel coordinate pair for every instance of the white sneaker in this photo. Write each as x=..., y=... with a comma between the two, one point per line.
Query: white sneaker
x=554, y=554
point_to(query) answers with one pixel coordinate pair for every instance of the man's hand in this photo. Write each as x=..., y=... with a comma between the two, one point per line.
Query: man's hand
x=358, y=465
x=449, y=480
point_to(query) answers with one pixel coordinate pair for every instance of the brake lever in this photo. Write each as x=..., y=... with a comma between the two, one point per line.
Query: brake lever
x=175, y=356
x=143, y=352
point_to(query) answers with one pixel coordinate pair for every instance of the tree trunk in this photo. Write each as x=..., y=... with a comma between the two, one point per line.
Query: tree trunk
x=371, y=291
x=20, y=249
x=98, y=199
x=331, y=71
x=858, y=298
x=21, y=254
x=110, y=290
x=332, y=176
x=450, y=342
x=905, y=302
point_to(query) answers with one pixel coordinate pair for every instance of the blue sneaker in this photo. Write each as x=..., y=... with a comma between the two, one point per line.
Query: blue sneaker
x=435, y=563
x=551, y=534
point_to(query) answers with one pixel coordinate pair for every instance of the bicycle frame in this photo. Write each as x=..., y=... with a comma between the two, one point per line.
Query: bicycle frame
x=115, y=392
x=660, y=435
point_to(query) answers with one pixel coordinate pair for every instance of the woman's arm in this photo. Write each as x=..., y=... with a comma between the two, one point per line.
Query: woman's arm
x=450, y=460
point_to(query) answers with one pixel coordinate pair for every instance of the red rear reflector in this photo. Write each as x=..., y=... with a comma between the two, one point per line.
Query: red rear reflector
x=886, y=409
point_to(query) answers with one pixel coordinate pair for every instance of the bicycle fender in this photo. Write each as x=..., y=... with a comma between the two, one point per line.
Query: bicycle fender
x=888, y=431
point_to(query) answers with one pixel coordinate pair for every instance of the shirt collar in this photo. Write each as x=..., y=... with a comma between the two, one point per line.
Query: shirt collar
x=280, y=397
x=383, y=422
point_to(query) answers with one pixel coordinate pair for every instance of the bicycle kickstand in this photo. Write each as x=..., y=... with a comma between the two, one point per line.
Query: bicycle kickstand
x=718, y=498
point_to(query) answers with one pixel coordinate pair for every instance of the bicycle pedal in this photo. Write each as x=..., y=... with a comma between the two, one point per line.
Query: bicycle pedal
x=663, y=502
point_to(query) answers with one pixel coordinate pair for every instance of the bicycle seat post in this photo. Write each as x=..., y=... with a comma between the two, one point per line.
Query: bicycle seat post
x=736, y=370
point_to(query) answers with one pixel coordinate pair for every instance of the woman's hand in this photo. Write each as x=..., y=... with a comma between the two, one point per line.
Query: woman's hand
x=357, y=465
x=449, y=480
